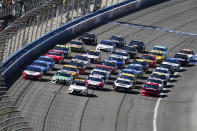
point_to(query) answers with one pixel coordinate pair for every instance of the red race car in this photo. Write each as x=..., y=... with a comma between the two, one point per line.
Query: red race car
x=150, y=59
x=95, y=82
x=150, y=89
x=56, y=55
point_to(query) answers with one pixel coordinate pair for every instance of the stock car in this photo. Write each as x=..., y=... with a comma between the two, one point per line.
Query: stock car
x=74, y=70
x=158, y=55
x=119, y=40
x=121, y=53
x=189, y=52
x=163, y=71
x=65, y=50
x=101, y=73
x=130, y=77
x=83, y=59
x=140, y=46
x=141, y=62
x=81, y=66
x=172, y=61
x=156, y=81
x=167, y=66
x=127, y=71
x=62, y=76
x=150, y=89
x=138, y=69
x=183, y=58
x=133, y=52
x=104, y=68
x=106, y=46
x=111, y=65
x=32, y=72
x=123, y=85
x=162, y=49
x=76, y=45
x=78, y=86
x=44, y=65
x=118, y=60
x=57, y=56
x=95, y=82
x=94, y=56
x=49, y=60
x=150, y=59
x=159, y=76
x=88, y=38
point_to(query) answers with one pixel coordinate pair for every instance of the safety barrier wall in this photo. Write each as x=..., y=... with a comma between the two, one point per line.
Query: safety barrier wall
x=16, y=63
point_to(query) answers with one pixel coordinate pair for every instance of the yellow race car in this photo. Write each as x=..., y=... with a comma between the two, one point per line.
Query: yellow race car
x=132, y=78
x=65, y=50
x=74, y=70
x=158, y=54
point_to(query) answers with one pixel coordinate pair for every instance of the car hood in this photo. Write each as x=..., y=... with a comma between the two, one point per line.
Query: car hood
x=93, y=82
x=91, y=56
x=76, y=87
x=122, y=85
x=104, y=46
x=61, y=77
x=32, y=73
x=72, y=45
x=169, y=63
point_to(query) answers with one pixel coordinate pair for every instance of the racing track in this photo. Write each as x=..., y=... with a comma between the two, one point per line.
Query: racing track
x=49, y=108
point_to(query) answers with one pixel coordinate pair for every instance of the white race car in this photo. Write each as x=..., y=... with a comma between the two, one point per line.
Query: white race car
x=106, y=45
x=93, y=55
x=123, y=85
x=122, y=54
x=164, y=71
x=104, y=74
x=174, y=62
x=78, y=87
x=82, y=59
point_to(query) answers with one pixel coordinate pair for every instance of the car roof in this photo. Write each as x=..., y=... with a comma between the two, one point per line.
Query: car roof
x=186, y=50
x=70, y=66
x=96, y=76
x=123, y=79
x=148, y=55
x=160, y=46
x=125, y=74
x=156, y=51
x=168, y=58
x=40, y=61
x=33, y=66
x=109, y=41
x=137, y=65
x=66, y=72
x=151, y=83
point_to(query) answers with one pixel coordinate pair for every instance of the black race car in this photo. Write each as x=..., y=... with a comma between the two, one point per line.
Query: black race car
x=183, y=58
x=119, y=40
x=88, y=38
x=140, y=46
x=131, y=50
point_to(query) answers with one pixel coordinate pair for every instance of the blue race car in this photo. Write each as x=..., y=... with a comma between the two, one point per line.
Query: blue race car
x=137, y=68
x=127, y=71
x=119, y=61
x=49, y=60
x=43, y=64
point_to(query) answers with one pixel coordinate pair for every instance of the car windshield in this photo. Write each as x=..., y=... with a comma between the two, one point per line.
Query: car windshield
x=143, y=63
x=35, y=69
x=63, y=74
x=134, y=67
x=116, y=59
x=106, y=43
x=69, y=68
x=129, y=48
x=186, y=52
x=92, y=53
x=159, y=49
x=102, y=68
x=54, y=53
x=154, y=81
x=99, y=73
x=155, y=53
x=76, y=64
x=180, y=56
x=163, y=77
x=39, y=64
x=79, y=83
x=81, y=58
x=76, y=43
x=45, y=59
x=133, y=42
x=150, y=86
x=117, y=38
x=108, y=64
x=60, y=48
x=165, y=66
x=121, y=53
x=162, y=71
x=123, y=82
x=95, y=79
x=172, y=61
x=147, y=57
x=127, y=77
x=87, y=35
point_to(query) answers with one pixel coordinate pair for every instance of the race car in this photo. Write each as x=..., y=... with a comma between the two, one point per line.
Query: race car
x=127, y=71
x=118, y=60
x=163, y=71
x=130, y=77
x=102, y=73
x=150, y=89
x=162, y=49
x=66, y=50
x=141, y=62
x=124, y=85
x=156, y=81
x=88, y=38
x=82, y=59
x=159, y=76
x=63, y=77
x=133, y=52
x=49, y=60
x=111, y=65
x=94, y=56
x=76, y=45
x=183, y=58
x=95, y=82
x=72, y=69
x=32, y=72
x=174, y=62
x=119, y=40
x=81, y=66
x=106, y=46
x=121, y=53
x=189, y=52
x=78, y=86
x=57, y=56
x=44, y=65
x=158, y=55
x=140, y=46
x=138, y=69
x=167, y=66
x=104, y=68
x=150, y=59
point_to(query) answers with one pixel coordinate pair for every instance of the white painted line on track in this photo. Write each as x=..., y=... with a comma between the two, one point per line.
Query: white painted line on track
x=157, y=106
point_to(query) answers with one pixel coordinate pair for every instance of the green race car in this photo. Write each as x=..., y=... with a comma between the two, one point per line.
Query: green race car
x=63, y=77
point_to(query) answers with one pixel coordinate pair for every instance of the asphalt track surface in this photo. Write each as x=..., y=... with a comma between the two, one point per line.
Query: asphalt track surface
x=49, y=108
